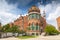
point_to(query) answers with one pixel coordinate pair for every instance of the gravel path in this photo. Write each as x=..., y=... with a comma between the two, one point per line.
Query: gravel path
x=57, y=37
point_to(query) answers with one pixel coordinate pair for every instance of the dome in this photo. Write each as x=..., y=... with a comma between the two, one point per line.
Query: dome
x=34, y=9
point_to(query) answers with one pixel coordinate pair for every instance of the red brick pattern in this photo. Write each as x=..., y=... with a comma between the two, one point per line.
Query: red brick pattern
x=23, y=21
x=58, y=22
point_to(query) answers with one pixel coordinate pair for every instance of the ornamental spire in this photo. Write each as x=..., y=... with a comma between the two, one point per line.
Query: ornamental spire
x=44, y=14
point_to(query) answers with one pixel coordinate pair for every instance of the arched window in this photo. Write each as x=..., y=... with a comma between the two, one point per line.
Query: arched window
x=36, y=26
x=32, y=16
x=36, y=16
x=32, y=26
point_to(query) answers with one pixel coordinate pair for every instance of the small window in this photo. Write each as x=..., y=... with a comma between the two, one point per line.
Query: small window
x=37, y=26
x=32, y=16
x=33, y=33
x=36, y=33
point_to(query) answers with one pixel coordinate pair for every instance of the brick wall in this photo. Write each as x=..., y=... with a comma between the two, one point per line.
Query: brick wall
x=58, y=23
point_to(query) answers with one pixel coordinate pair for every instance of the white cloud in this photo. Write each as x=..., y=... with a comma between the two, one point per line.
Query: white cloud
x=53, y=15
x=5, y=16
x=52, y=12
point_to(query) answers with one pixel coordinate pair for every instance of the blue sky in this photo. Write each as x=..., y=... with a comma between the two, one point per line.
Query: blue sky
x=10, y=10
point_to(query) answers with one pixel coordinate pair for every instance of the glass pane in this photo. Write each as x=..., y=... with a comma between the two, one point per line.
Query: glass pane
x=32, y=16
x=35, y=16
x=38, y=16
x=39, y=27
x=32, y=26
x=36, y=27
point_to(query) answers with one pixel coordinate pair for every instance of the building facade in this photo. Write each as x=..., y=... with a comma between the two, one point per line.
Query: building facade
x=58, y=23
x=33, y=23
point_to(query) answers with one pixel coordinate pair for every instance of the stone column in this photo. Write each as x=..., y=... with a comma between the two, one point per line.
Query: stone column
x=38, y=29
x=35, y=30
x=31, y=29
x=41, y=29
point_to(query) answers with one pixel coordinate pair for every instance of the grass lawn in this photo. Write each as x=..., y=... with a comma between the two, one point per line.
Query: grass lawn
x=25, y=37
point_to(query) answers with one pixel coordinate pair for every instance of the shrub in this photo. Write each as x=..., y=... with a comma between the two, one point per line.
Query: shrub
x=51, y=30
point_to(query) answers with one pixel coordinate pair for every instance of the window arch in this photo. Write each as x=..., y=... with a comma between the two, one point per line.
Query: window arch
x=59, y=28
x=36, y=26
x=34, y=15
x=32, y=26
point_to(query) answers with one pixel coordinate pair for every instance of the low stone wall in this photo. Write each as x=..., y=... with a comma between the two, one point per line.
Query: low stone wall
x=3, y=35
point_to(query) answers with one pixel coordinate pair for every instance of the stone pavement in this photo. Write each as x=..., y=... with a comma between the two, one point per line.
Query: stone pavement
x=57, y=37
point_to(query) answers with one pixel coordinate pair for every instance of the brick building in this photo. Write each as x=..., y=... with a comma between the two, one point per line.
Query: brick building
x=33, y=21
x=58, y=23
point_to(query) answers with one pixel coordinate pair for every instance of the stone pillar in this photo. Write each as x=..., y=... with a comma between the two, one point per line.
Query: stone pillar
x=31, y=29
x=41, y=29
x=35, y=30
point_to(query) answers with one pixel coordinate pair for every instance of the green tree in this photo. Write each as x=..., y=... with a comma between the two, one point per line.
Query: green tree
x=21, y=31
x=51, y=30
x=6, y=28
x=28, y=28
x=15, y=28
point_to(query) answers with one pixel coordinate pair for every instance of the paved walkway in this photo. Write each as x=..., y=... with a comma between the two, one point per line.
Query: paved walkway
x=57, y=37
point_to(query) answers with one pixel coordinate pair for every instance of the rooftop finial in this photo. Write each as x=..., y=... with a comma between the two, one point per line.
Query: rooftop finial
x=34, y=9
